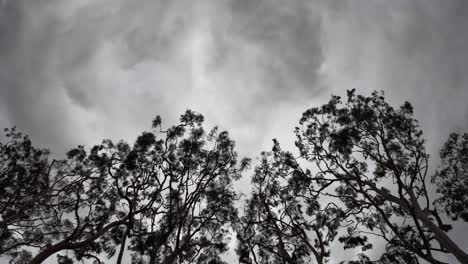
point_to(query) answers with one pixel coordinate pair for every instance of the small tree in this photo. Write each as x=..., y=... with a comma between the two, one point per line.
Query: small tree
x=373, y=156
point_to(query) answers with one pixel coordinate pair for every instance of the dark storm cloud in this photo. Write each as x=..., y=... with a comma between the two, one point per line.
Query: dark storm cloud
x=265, y=56
x=75, y=71
x=288, y=37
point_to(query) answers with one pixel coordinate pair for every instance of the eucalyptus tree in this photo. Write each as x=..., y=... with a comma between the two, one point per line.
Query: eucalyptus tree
x=371, y=156
x=192, y=219
x=167, y=198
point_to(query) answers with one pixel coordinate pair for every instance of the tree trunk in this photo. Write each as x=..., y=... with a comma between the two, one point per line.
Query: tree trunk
x=66, y=244
x=122, y=246
x=43, y=255
x=442, y=237
x=439, y=234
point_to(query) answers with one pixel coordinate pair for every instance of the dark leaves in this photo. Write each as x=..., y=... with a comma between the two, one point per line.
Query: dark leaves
x=355, y=241
x=452, y=177
x=156, y=122
x=170, y=194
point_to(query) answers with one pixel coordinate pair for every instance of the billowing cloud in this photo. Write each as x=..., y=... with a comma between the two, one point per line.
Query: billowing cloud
x=79, y=72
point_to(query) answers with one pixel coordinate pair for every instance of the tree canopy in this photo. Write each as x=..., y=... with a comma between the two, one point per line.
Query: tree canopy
x=170, y=195
x=360, y=179
x=362, y=174
x=282, y=222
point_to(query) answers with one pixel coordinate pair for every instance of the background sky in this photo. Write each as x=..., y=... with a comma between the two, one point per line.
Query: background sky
x=75, y=72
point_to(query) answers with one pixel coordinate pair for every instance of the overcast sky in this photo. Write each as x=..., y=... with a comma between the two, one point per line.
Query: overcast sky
x=75, y=72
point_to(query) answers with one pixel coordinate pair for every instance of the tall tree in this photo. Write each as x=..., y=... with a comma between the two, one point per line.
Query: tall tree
x=192, y=218
x=170, y=194
x=372, y=157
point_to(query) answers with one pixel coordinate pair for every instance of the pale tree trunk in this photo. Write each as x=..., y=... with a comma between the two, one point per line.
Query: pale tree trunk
x=439, y=234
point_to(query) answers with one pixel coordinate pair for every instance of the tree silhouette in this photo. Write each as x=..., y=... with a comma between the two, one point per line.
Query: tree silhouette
x=283, y=223
x=452, y=177
x=362, y=173
x=372, y=157
x=195, y=206
x=24, y=193
x=170, y=194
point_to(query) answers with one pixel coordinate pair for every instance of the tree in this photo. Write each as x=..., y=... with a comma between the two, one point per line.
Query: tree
x=24, y=193
x=170, y=193
x=192, y=218
x=452, y=177
x=282, y=222
x=372, y=157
